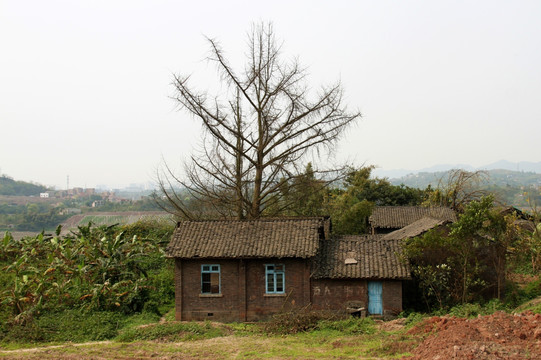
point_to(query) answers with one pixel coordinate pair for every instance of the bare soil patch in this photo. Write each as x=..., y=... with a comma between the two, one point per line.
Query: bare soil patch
x=497, y=336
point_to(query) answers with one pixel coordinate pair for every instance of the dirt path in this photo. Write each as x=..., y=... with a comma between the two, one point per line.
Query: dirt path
x=45, y=348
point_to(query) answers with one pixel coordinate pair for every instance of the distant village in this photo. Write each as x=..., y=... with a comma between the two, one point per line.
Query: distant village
x=78, y=193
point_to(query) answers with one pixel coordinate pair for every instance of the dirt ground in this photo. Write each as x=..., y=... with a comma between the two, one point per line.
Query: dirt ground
x=497, y=336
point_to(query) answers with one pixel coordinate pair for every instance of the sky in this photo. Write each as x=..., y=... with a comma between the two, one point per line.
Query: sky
x=85, y=86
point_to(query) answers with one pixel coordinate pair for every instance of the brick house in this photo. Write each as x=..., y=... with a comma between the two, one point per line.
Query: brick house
x=359, y=274
x=247, y=270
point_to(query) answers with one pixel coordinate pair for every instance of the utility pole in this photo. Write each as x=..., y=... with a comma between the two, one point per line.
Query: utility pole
x=68, y=183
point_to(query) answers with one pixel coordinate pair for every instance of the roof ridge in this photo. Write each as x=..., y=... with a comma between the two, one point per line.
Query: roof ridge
x=262, y=219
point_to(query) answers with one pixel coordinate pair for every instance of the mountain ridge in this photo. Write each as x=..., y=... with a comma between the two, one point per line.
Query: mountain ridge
x=520, y=166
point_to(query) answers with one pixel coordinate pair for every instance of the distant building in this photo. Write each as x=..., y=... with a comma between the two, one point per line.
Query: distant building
x=70, y=211
x=44, y=195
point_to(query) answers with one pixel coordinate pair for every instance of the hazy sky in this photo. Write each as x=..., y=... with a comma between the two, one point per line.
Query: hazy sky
x=85, y=85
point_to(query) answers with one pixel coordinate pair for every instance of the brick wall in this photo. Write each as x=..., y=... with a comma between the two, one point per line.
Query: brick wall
x=335, y=294
x=196, y=306
x=243, y=296
x=297, y=285
x=392, y=297
x=242, y=293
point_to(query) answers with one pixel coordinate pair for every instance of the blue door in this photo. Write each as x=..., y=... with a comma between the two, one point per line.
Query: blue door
x=375, y=306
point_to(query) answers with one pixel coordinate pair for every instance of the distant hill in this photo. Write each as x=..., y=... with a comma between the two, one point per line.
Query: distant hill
x=514, y=166
x=521, y=166
x=111, y=218
x=11, y=187
x=497, y=177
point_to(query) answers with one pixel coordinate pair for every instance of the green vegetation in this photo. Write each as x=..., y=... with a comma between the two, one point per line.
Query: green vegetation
x=113, y=283
x=96, y=277
x=8, y=186
x=466, y=261
x=172, y=331
x=349, y=202
x=22, y=209
x=516, y=188
x=30, y=217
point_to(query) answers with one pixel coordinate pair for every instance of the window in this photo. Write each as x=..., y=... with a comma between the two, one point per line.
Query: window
x=210, y=279
x=275, y=278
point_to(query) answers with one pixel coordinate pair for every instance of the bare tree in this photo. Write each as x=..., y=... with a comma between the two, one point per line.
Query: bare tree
x=459, y=187
x=257, y=133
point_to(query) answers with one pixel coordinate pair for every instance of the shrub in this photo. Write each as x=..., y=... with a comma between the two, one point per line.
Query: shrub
x=176, y=331
x=301, y=320
x=79, y=326
x=349, y=326
x=413, y=318
x=70, y=325
x=475, y=309
x=143, y=318
x=533, y=289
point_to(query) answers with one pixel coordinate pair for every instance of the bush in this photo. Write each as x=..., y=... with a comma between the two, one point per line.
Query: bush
x=515, y=295
x=413, y=318
x=143, y=318
x=533, y=289
x=297, y=321
x=349, y=326
x=176, y=331
x=70, y=325
x=22, y=333
x=79, y=326
x=475, y=309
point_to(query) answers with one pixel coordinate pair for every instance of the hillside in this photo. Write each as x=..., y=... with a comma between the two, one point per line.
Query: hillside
x=11, y=187
x=111, y=218
x=499, y=177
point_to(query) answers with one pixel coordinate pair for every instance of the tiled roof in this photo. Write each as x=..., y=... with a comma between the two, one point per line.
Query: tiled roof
x=262, y=238
x=415, y=229
x=360, y=257
x=396, y=217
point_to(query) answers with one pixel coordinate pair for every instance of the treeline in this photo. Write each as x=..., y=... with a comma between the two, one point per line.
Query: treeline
x=520, y=189
x=10, y=187
x=47, y=216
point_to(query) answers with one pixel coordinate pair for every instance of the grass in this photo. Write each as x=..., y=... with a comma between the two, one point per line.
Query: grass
x=226, y=347
x=171, y=332
x=141, y=337
x=147, y=335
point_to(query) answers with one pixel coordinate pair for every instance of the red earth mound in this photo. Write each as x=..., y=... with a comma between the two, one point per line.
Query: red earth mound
x=497, y=336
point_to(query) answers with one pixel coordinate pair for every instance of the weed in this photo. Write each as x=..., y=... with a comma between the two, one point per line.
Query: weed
x=297, y=321
x=470, y=310
x=413, y=318
x=176, y=331
x=349, y=326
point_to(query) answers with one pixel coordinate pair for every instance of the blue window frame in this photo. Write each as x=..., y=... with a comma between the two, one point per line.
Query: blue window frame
x=275, y=278
x=210, y=279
